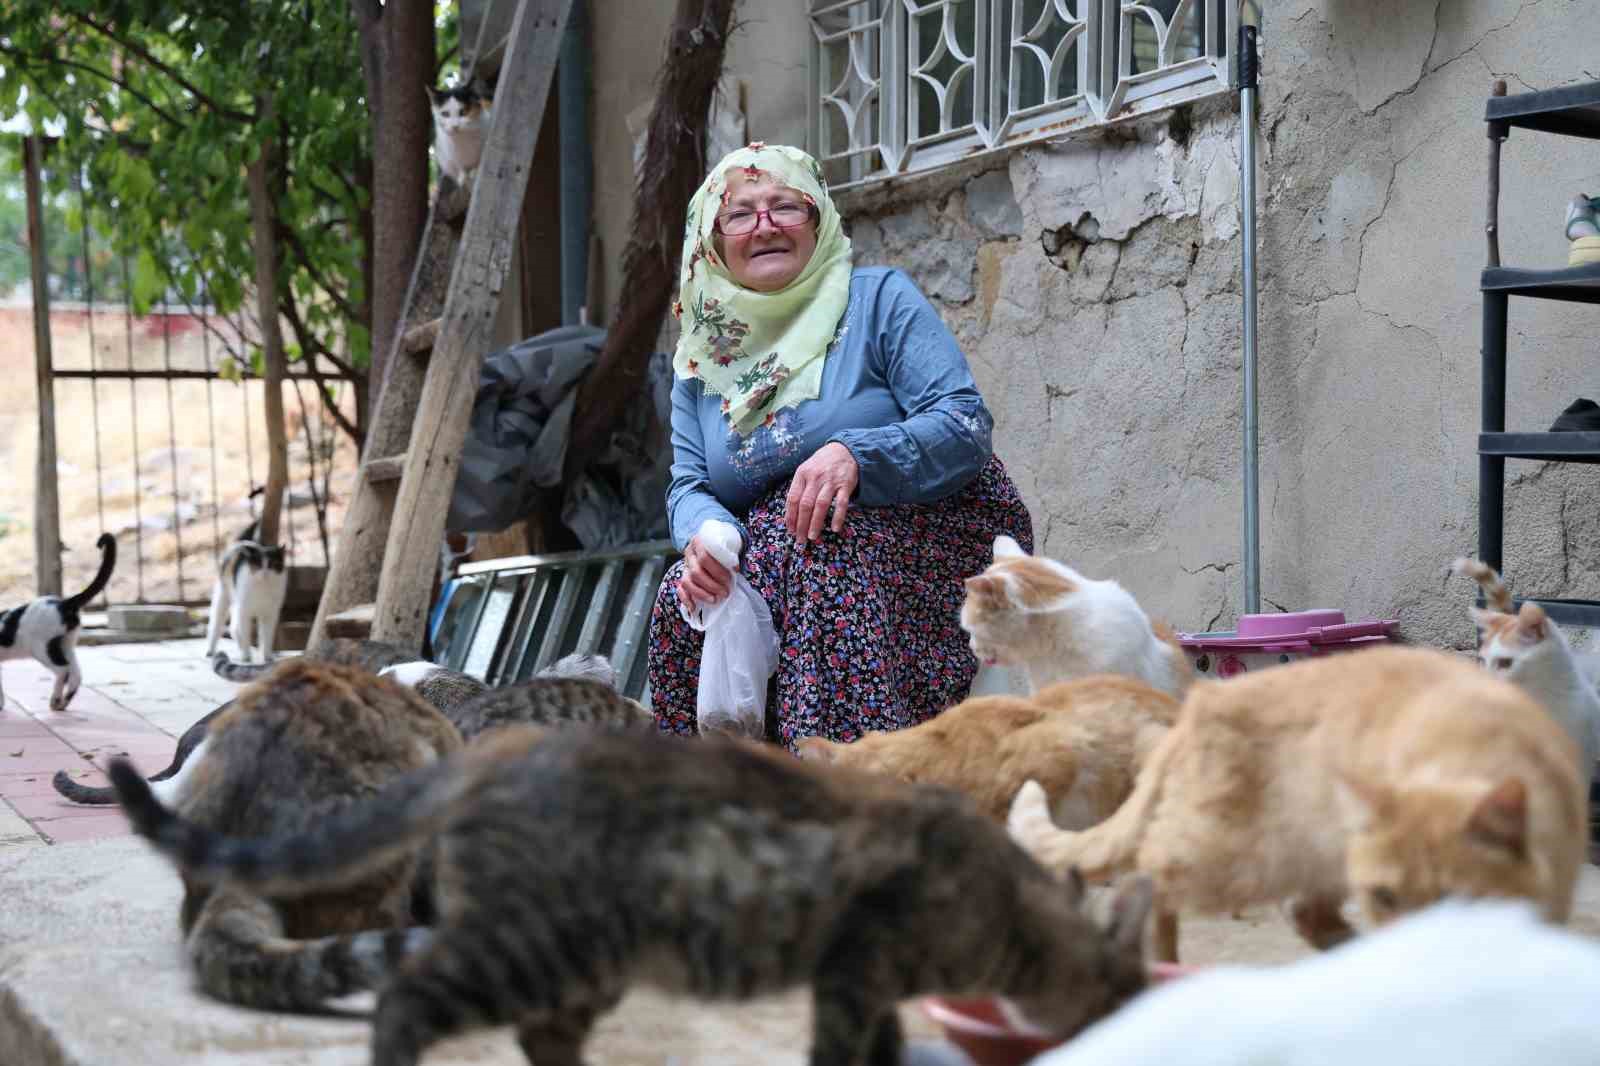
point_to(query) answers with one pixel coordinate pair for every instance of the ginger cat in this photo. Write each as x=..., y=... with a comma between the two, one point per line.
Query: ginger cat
x=1400, y=774
x=1055, y=624
x=1083, y=740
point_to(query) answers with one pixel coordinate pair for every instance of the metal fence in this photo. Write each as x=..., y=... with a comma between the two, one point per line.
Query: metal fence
x=159, y=435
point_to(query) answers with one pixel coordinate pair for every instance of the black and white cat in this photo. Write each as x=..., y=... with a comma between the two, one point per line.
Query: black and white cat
x=460, y=126
x=47, y=629
x=254, y=579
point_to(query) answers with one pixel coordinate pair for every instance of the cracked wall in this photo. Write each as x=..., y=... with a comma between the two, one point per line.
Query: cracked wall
x=1095, y=287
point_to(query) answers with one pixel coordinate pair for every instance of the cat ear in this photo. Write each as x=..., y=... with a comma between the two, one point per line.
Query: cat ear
x=1130, y=910
x=817, y=749
x=433, y=95
x=1361, y=802
x=1006, y=548
x=1533, y=622
x=1485, y=619
x=989, y=591
x=1501, y=817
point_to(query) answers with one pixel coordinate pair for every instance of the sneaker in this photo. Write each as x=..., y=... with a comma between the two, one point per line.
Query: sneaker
x=1581, y=218
x=1582, y=415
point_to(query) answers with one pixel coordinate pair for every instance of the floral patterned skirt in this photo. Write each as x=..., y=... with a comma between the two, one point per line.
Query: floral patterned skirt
x=868, y=620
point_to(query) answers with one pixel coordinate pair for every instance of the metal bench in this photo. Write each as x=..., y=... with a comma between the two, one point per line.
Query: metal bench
x=502, y=619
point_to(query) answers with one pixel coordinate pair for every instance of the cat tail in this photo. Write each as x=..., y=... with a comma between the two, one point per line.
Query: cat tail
x=582, y=667
x=343, y=849
x=241, y=956
x=1100, y=851
x=93, y=795
x=229, y=670
x=1495, y=593
x=108, y=561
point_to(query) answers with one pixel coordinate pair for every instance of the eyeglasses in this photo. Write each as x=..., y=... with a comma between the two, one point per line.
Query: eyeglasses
x=742, y=220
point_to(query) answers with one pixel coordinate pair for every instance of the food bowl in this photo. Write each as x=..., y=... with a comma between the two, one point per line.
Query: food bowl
x=982, y=1032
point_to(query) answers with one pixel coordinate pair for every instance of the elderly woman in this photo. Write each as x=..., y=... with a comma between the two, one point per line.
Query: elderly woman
x=826, y=411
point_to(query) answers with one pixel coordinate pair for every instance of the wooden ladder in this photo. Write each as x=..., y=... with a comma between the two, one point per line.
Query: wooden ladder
x=381, y=579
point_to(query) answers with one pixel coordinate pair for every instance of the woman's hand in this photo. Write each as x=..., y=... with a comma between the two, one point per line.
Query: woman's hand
x=829, y=476
x=705, y=581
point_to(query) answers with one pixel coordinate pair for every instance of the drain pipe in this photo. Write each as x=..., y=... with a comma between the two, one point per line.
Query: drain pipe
x=1249, y=69
x=577, y=164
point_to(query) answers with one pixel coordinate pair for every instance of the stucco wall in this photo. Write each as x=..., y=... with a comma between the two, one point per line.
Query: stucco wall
x=1095, y=287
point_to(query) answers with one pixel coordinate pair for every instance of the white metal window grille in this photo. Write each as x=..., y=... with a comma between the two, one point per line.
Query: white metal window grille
x=907, y=85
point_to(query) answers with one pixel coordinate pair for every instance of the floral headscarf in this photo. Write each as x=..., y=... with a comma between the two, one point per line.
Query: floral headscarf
x=759, y=351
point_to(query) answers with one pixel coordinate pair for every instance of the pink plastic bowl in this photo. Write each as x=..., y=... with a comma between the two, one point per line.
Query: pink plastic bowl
x=981, y=1031
x=1287, y=624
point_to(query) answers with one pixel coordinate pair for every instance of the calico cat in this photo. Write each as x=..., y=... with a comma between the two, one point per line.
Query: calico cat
x=1055, y=624
x=1529, y=650
x=47, y=630
x=1083, y=741
x=460, y=126
x=253, y=577
x=294, y=749
x=575, y=863
x=1400, y=774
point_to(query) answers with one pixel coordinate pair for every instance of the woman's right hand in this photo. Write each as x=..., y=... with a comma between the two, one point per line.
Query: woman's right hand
x=705, y=581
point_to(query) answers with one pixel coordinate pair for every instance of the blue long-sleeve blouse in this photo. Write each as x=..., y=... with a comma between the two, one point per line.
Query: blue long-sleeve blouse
x=896, y=391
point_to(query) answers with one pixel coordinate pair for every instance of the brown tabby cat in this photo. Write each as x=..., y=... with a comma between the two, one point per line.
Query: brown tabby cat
x=1054, y=624
x=1401, y=774
x=576, y=862
x=294, y=749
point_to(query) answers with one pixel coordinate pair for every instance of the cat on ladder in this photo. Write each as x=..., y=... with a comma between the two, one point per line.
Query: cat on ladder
x=253, y=578
x=460, y=126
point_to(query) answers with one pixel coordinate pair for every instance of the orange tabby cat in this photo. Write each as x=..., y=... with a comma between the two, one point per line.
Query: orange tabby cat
x=1084, y=740
x=1400, y=774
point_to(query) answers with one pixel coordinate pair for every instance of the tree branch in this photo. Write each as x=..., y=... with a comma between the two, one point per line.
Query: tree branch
x=292, y=239
x=308, y=342
x=143, y=53
x=25, y=59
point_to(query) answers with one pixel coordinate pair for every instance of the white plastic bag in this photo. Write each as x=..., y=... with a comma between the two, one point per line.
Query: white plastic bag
x=741, y=646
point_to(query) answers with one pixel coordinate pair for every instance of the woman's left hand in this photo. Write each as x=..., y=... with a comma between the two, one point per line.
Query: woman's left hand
x=829, y=476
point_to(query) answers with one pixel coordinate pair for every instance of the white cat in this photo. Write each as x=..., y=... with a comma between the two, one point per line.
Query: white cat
x=47, y=630
x=1530, y=650
x=1481, y=983
x=1057, y=625
x=460, y=126
x=253, y=577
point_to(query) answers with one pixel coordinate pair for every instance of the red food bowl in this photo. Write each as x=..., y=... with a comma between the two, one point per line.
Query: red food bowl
x=981, y=1031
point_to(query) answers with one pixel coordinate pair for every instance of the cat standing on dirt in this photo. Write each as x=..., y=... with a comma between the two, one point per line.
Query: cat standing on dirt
x=575, y=863
x=253, y=577
x=460, y=126
x=47, y=629
x=1402, y=775
x=1530, y=651
x=1055, y=624
x=295, y=749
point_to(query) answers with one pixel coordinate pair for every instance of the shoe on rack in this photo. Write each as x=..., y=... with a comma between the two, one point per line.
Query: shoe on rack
x=1581, y=416
x=1583, y=230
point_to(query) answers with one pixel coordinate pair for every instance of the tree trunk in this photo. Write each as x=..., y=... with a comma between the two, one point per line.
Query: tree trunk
x=674, y=165
x=262, y=219
x=397, y=55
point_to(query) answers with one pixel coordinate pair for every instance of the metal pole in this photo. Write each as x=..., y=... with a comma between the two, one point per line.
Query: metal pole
x=1249, y=68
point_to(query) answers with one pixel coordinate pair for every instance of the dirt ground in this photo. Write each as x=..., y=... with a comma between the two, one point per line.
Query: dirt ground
x=171, y=465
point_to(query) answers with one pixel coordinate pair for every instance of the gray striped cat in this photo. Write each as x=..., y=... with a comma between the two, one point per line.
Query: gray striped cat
x=575, y=863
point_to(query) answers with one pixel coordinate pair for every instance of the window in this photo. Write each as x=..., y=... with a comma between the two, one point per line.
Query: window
x=906, y=85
